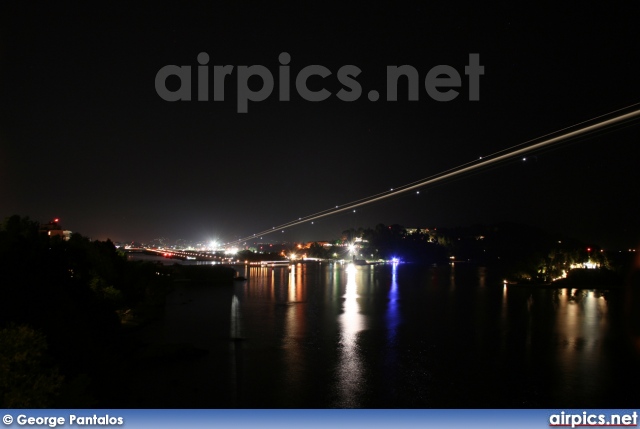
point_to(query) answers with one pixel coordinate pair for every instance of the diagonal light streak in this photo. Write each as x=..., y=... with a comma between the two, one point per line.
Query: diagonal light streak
x=502, y=155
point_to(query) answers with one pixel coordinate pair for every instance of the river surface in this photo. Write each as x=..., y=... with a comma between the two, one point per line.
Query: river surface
x=322, y=335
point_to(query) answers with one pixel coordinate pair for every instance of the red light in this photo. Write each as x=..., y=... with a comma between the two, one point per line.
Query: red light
x=56, y=220
x=588, y=249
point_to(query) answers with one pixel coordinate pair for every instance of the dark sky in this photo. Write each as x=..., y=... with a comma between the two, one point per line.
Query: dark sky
x=85, y=137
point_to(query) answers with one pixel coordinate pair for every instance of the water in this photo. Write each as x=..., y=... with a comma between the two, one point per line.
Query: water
x=333, y=335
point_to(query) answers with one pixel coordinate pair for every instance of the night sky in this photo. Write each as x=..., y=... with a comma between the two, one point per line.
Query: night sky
x=85, y=137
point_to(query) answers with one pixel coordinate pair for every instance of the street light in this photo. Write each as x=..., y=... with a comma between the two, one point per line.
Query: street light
x=353, y=250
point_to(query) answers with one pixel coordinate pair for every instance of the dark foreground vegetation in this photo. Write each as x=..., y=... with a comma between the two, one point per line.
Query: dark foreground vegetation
x=66, y=308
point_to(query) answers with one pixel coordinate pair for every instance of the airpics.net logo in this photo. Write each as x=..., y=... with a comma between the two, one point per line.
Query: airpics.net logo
x=440, y=82
x=586, y=419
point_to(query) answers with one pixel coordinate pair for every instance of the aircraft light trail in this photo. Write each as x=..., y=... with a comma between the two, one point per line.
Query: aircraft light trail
x=503, y=155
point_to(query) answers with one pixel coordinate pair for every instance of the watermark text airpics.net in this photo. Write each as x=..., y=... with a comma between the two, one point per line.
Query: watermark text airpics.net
x=440, y=82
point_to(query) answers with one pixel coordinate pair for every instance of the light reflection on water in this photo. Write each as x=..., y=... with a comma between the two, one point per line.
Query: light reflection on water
x=393, y=312
x=294, y=329
x=581, y=326
x=350, y=365
x=334, y=335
